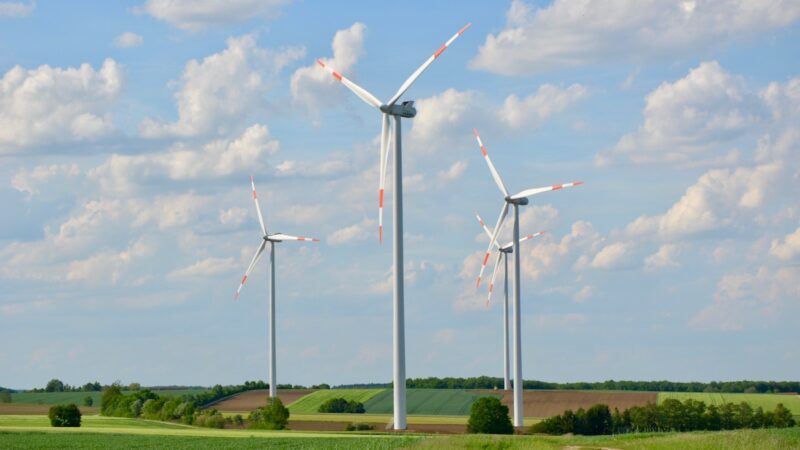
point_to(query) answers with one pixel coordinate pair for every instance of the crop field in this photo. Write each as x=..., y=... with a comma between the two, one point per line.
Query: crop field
x=54, y=398
x=446, y=402
x=311, y=403
x=547, y=403
x=766, y=401
x=250, y=400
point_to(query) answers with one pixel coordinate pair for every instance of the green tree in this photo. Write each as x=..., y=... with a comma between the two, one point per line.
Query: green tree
x=489, y=416
x=5, y=396
x=88, y=401
x=598, y=420
x=274, y=416
x=134, y=386
x=54, y=385
x=783, y=417
x=111, y=396
x=64, y=415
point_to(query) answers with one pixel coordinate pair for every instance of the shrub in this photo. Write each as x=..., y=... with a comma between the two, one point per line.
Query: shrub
x=88, y=401
x=274, y=416
x=64, y=415
x=238, y=420
x=209, y=418
x=5, y=396
x=340, y=405
x=489, y=416
x=358, y=427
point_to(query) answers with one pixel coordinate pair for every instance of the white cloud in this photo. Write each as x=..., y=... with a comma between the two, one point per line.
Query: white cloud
x=168, y=211
x=663, y=258
x=31, y=181
x=312, y=87
x=361, y=231
x=128, y=39
x=106, y=267
x=443, y=121
x=232, y=216
x=52, y=105
x=16, y=9
x=584, y=294
x=452, y=173
x=534, y=109
x=205, y=268
x=194, y=15
x=566, y=33
x=613, y=256
x=688, y=119
x=214, y=95
x=788, y=247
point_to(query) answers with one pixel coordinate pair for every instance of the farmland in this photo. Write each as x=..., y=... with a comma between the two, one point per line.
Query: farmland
x=447, y=402
x=53, y=398
x=311, y=403
x=766, y=401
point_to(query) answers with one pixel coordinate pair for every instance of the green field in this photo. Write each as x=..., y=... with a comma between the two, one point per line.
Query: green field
x=54, y=398
x=447, y=402
x=766, y=401
x=310, y=403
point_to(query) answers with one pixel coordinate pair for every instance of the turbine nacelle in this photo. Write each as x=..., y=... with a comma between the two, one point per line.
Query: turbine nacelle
x=405, y=109
x=517, y=201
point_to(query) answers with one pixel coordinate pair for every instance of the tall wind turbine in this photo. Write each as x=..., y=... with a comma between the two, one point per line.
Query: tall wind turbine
x=270, y=239
x=404, y=110
x=516, y=200
x=503, y=251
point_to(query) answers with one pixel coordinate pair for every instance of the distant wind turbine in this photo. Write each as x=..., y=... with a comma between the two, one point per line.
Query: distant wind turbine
x=270, y=239
x=503, y=250
x=518, y=199
x=404, y=110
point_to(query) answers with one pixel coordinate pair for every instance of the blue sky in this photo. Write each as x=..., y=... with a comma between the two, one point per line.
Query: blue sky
x=130, y=130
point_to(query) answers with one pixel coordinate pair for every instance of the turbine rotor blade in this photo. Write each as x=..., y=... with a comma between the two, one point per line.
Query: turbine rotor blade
x=485, y=228
x=534, y=191
x=494, y=275
x=362, y=93
x=493, y=240
x=253, y=262
x=258, y=208
x=386, y=144
x=410, y=80
x=289, y=237
x=492, y=169
x=524, y=238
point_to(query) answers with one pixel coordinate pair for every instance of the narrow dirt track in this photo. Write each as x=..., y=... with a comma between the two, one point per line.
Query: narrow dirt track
x=250, y=400
x=550, y=403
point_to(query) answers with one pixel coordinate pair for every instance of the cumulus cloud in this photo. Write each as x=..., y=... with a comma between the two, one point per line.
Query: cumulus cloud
x=687, y=119
x=31, y=181
x=16, y=9
x=312, y=87
x=205, y=268
x=214, y=95
x=534, y=109
x=788, y=247
x=53, y=105
x=128, y=39
x=569, y=34
x=353, y=233
x=663, y=258
x=613, y=256
x=107, y=266
x=232, y=216
x=194, y=15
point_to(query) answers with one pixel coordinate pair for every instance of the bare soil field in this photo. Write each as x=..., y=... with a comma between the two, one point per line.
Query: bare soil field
x=250, y=400
x=25, y=408
x=544, y=403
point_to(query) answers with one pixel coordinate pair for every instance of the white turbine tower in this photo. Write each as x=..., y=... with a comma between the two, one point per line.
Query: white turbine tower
x=270, y=239
x=404, y=110
x=516, y=200
x=503, y=251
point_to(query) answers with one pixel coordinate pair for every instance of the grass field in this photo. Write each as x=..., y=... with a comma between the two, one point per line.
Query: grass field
x=54, y=398
x=766, y=401
x=447, y=402
x=311, y=402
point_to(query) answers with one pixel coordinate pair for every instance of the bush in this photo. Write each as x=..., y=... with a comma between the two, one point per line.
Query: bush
x=489, y=416
x=340, y=405
x=209, y=418
x=358, y=427
x=64, y=415
x=274, y=416
x=88, y=401
x=5, y=396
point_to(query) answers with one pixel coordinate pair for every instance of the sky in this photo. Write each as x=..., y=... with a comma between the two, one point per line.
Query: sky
x=130, y=130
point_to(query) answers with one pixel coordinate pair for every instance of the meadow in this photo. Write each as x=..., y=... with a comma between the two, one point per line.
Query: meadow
x=446, y=402
x=311, y=402
x=766, y=401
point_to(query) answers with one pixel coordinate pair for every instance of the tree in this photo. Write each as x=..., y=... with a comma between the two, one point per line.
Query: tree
x=489, y=416
x=88, y=401
x=274, y=416
x=783, y=417
x=54, y=385
x=64, y=415
x=598, y=420
x=134, y=386
x=5, y=396
x=109, y=400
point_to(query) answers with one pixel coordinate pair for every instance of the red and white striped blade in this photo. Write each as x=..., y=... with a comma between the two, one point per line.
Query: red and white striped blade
x=253, y=262
x=494, y=276
x=492, y=169
x=522, y=239
x=493, y=240
x=386, y=143
x=362, y=93
x=407, y=84
x=258, y=208
x=289, y=237
x=555, y=187
x=485, y=228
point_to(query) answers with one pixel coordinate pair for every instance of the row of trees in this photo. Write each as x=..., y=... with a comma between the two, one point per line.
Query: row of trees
x=56, y=385
x=485, y=382
x=670, y=415
x=341, y=405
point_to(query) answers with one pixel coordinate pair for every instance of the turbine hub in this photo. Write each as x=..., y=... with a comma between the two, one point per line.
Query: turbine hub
x=405, y=109
x=517, y=201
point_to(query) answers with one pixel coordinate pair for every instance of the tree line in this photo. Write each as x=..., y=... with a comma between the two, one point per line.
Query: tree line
x=484, y=382
x=670, y=415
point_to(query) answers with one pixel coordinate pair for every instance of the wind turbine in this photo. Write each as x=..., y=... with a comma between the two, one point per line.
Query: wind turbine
x=270, y=239
x=516, y=200
x=404, y=110
x=503, y=250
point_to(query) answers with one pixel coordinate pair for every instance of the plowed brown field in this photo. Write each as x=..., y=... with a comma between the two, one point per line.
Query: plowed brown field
x=551, y=403
x=250, y=400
